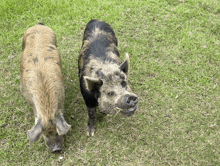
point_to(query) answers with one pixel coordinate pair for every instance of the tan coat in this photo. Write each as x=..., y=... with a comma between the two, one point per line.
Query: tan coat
x=41, y=76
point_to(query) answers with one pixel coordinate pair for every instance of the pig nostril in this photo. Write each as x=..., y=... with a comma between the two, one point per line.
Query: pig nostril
x=131, y=99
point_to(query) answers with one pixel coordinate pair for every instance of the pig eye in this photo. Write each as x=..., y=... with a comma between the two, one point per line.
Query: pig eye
x=123, y=84
x=111, y=93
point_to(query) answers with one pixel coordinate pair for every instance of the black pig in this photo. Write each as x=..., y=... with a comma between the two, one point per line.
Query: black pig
x=103, y=76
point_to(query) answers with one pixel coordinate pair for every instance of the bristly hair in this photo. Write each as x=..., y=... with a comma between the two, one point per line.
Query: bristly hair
x=45, y=76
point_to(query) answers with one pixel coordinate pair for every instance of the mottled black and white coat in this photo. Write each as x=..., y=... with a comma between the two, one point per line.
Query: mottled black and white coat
x=102, y=74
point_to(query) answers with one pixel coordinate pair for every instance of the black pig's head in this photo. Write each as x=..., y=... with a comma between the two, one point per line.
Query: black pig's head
x=109, y=83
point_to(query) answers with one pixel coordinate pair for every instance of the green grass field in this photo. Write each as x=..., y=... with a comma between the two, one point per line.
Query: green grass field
x=174, y=48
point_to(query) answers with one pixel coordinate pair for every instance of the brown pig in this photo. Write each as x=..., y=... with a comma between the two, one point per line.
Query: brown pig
x=42, y=86
x=103, y=76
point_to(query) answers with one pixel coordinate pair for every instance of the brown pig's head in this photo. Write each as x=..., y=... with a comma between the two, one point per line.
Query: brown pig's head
x=52, y=132
x=109, y=81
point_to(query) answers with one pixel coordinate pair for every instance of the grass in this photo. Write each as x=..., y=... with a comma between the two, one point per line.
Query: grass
x=174, y=48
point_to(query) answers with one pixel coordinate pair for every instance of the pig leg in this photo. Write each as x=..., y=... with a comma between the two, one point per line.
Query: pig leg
x=92, y=118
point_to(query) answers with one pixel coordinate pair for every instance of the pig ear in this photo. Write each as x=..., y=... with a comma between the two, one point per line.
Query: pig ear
x=125, y=65
x=62, y=126
x=92, y=83
x=35, y=132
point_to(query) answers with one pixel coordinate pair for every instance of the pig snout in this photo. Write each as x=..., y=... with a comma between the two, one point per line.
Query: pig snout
x=131, y=101
x=129, y=104
x=55, y=148
x=54, y=143
x=127, y=101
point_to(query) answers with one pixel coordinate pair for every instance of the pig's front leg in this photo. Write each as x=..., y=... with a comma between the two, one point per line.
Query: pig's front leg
x=91, y=123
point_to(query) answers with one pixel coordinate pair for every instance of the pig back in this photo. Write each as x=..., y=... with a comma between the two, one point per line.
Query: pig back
x=41, y=75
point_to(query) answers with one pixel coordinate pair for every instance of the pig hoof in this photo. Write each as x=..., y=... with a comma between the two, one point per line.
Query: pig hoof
x=91, y=131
